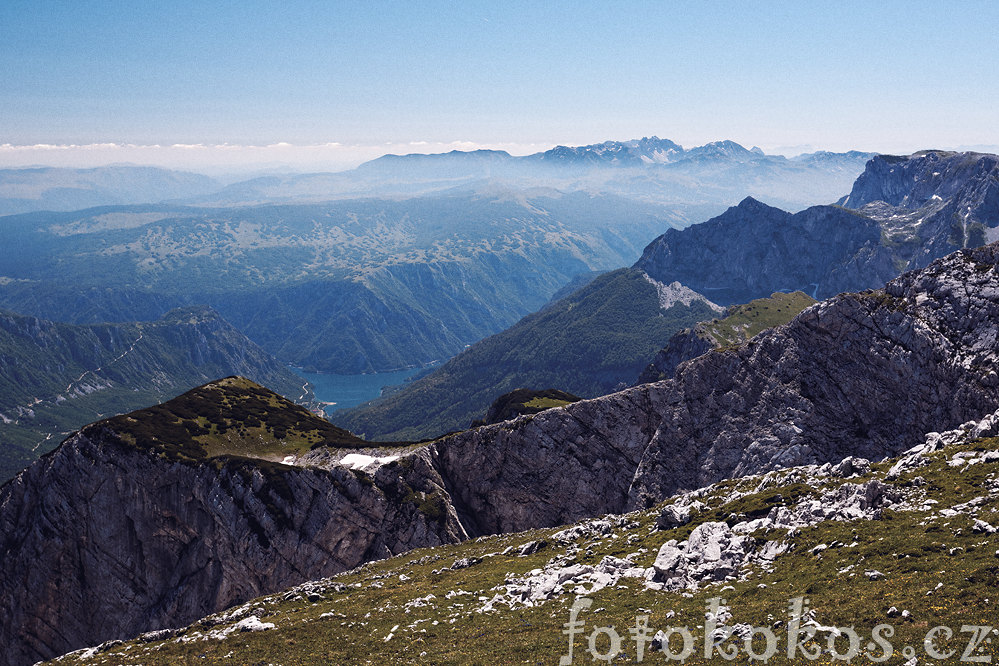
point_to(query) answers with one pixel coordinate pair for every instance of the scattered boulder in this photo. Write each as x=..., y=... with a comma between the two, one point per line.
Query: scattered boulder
x=713, y=553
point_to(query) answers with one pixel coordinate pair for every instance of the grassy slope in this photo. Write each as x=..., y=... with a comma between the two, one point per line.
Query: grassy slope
x=587, y=344
x=743, y=322
x=936, y=567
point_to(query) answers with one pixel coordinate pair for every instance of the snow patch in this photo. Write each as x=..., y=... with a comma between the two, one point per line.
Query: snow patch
x=361, y=461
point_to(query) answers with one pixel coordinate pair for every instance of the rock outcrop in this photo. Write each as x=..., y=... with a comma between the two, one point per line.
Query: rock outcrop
x=686, y=345
x=740, y=324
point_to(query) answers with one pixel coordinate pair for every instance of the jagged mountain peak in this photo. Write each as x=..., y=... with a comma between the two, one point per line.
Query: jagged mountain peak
x=751, y=204
x=721, y=149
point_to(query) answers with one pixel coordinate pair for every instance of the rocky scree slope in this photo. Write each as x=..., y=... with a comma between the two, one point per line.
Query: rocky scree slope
x=859, y=375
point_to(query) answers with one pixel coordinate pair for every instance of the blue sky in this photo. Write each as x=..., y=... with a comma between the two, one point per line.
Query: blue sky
x=343, y=79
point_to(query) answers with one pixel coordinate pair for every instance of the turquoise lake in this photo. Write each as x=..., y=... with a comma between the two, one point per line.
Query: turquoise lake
x=351, y=390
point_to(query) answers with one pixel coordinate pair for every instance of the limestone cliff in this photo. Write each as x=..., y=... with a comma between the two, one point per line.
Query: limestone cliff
x=104, y=538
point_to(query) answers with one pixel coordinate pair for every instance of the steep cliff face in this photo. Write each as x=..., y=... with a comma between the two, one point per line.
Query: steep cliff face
x=913, y=182
x=930, y=203
x=107, y=538
x=686, y=345
x=858, y=375
x=160, y=517
x=551, y=468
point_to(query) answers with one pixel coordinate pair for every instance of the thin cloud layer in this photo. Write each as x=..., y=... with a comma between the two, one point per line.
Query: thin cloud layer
x=226, y=156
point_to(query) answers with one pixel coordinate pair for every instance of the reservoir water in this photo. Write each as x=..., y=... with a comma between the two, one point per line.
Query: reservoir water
x=343, y=391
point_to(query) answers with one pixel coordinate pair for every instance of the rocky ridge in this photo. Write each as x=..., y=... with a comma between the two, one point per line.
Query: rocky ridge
x=860, y=375
x=740, y=324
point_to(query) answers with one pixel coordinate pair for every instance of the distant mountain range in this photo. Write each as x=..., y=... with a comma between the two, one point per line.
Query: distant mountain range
x=62, y=189
x=55, y=378
x=442, y=251
x=348, y=286
x=714, y=175
x=699, y=181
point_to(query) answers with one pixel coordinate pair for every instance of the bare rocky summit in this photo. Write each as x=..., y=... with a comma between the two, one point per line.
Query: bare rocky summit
x=902, y=213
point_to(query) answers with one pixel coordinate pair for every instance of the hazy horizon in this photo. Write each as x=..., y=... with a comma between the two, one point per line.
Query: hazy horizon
x=316, y=85
x=236, y=161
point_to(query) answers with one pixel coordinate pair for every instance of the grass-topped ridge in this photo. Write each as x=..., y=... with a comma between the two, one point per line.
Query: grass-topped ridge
x=743, y=322
x=229, y=417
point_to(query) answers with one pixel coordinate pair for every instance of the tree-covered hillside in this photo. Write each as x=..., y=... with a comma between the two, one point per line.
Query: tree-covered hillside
x=349, y=287
x=589, y=343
